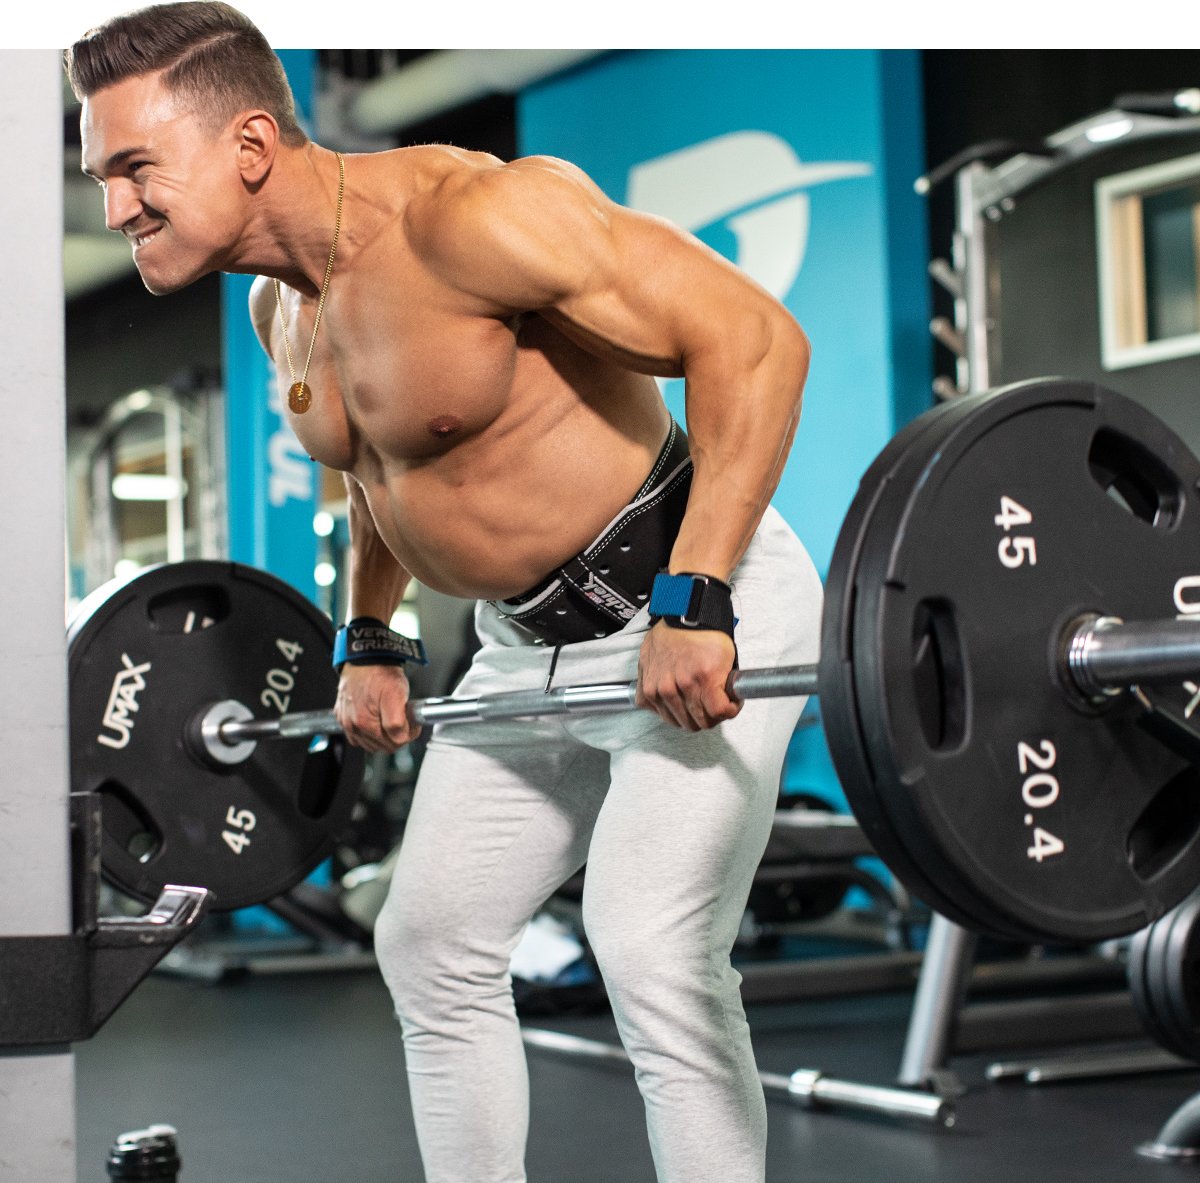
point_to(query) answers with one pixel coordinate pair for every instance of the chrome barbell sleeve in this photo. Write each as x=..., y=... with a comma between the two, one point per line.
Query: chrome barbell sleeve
x=1104, y=655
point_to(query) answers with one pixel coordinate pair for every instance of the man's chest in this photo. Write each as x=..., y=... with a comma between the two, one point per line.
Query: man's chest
x=398, y=378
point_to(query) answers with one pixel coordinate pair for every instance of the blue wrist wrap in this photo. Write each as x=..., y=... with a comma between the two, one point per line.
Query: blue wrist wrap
x=367, y=641
x=690, y=600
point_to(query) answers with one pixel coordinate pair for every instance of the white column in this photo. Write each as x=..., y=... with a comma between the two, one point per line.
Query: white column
x=37, y=1092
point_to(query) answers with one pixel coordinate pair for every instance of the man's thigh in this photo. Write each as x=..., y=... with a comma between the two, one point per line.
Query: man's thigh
x=493, y=831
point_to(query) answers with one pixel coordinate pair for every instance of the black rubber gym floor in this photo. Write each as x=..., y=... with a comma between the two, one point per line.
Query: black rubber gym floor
x=291, y=1079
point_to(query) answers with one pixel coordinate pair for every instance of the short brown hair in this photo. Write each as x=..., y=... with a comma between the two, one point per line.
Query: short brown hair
x=210, y=54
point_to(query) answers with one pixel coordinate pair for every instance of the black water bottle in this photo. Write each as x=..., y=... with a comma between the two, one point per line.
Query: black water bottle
x=149, y=1156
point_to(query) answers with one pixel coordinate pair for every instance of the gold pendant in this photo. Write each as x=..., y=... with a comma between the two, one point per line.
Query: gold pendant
x=299, y=398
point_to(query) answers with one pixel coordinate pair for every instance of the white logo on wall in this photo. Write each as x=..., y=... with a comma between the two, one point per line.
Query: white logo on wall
x=751, y=180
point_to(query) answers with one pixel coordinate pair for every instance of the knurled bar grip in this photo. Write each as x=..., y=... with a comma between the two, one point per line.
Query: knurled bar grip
x=778, y=682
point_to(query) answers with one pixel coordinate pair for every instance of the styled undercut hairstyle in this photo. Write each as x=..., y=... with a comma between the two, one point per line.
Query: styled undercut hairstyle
x=212, y=57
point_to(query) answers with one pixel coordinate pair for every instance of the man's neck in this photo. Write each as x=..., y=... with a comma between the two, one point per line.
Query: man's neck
x=290, y=228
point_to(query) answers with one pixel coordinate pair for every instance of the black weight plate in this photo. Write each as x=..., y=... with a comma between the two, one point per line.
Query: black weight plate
x=913, y=445
x=1180, y=978
x=145, y=656
x=917, y=441
x=1046, y=501
x=918, y=833
x=926, y=871
x=1156, y=986
x=1138, y=969
x=1156, y=981
x=918, y=862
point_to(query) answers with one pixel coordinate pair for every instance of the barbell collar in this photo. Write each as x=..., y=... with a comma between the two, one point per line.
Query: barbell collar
x=214, y=741
x=1105, y=655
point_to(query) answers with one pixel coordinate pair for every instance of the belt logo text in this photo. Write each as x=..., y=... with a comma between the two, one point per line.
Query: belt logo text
x=607, y=598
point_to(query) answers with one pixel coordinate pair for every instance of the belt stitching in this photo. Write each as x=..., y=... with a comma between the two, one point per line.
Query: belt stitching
x=636, y=508
x=631, y=511
x=543, y=599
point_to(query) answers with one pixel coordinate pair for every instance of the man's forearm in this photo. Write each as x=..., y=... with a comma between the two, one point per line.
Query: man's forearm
x=377, y=581
x=742, y=413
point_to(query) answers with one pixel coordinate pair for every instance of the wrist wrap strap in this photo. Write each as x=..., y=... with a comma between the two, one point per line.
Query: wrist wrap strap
x=691, y=600
x=367, y=641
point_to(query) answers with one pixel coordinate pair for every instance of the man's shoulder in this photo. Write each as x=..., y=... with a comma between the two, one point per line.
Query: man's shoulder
x=422, y=170
x=479, y=177
x=262, y=308
x=469, y=192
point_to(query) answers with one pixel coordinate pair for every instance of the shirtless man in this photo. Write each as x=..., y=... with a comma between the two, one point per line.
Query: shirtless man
x=483, y=373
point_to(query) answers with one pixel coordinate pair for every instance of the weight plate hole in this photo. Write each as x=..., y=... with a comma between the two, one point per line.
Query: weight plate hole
x=1135, y=478
x=142, y=846
x=188, y=609
x=939, y=681
x=127, y=823
x=319, y=778
x=1166, y=827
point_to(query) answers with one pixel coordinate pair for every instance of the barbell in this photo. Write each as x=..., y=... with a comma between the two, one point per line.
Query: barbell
x=1010, y=633
x=1100, y=656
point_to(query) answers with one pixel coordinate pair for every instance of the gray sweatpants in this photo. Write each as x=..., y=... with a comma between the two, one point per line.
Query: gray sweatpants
x=672, y=826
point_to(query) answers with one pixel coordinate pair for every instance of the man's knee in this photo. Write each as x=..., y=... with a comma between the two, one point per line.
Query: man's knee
x=415, y=947
x=644, y=959
x=433, y=961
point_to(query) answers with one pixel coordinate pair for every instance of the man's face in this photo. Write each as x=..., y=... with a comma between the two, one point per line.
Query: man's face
x=171, y=185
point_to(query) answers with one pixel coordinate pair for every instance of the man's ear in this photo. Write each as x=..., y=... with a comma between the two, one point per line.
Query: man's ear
x=257, y=142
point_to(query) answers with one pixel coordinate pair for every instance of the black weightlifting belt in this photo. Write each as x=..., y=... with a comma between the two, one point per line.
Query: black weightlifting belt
x=601, y=589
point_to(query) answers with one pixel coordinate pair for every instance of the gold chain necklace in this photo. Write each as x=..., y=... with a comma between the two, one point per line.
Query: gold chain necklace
x=299, y=394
